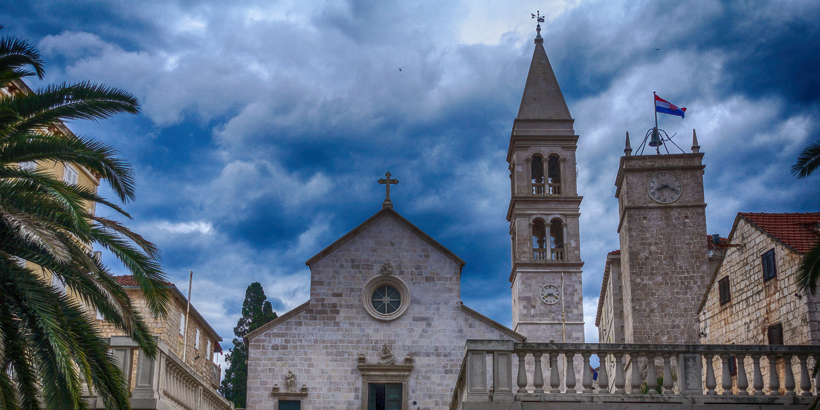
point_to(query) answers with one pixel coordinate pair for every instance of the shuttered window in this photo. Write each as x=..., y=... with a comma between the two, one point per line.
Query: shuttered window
x=769, y=267
x=723, y=288
x=776, y=334
x=70, y=175
x=290, y=405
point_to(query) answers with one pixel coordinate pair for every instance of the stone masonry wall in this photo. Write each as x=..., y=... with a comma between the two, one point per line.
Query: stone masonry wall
x=755, y=305
x=167, y=330
x=321, y=344
x=664, y=255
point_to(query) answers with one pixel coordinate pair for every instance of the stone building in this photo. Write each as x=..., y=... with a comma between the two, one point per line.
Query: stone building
x=385, y=327
x=752, y=296
x=180, y=376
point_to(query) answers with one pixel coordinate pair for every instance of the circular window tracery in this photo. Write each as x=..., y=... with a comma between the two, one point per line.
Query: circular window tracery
x=385, y=298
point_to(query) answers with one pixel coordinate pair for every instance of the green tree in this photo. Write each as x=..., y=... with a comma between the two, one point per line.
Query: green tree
x=809, y=270
x=48, y=340
x=256, y=311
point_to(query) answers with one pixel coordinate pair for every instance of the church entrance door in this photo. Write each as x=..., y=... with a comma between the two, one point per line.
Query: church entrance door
x=384, y=396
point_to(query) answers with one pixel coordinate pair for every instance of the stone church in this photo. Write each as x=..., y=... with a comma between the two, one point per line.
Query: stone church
x=385, y=327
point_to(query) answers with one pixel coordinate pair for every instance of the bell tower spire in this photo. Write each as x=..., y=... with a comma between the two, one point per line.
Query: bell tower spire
x=544, y=211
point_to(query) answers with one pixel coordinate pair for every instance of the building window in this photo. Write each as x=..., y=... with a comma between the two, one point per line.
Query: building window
x=554, y=175
x=58, y=283
x=557, y=240
x=208, y=350
x=776, y=334
x=539, y=240
x=182, y=324
x=723, y=288
x=290, y=405
x=30, y=166
x=196, y=338
x=769, y=267
x=386, y=297
x=70, y=175
x=537, y=175
x=384, y=396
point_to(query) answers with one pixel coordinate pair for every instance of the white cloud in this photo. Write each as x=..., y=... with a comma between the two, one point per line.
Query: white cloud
x=200, y=227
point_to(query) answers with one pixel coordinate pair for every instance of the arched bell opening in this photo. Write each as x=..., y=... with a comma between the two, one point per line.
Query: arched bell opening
x=539, y=240
x=554, y=175
x=556, y=240
x=537, y=173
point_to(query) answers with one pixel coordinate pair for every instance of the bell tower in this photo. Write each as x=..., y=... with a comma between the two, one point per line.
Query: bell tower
x=547, y=298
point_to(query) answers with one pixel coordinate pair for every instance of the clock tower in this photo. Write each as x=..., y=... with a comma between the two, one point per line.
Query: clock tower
x=547, y=299
x=664, y=260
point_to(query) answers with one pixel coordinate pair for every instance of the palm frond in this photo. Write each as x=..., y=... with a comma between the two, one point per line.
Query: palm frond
x=807, y=161
x=16, y=53
x=808, y=272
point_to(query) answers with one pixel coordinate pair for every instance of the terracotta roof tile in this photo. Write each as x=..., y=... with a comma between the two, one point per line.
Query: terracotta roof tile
x=796, y=230
x=615, y=252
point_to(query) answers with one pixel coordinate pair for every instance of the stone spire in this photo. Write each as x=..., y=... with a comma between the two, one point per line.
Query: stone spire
x=542, y=99
x=695, y=145
x=628, y=146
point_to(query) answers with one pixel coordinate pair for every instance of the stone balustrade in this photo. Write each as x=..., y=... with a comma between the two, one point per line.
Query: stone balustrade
x=505, y=372
x=164, y=382
x=546, y=188
x=547, y=255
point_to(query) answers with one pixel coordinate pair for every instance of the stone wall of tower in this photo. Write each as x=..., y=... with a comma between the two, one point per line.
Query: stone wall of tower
x=664, y=257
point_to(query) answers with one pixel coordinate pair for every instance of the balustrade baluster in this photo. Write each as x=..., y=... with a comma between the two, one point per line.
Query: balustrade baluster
x=651, y=378
x=710, y=375
x=726, y=375
x=774, y=381
x=522, y=372
x=805, y=381
x=816, y=375
x=757, y=379
x=538, y=376
x=603, y=377
x=742, y=383
x=570, y=377
x=667, y=374
x=634, y=358
x=619, y=373
x=555, y=374
x=789, y=375
x=586, y=380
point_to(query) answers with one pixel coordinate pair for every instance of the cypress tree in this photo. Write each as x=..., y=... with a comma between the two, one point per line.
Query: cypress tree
x=256, y=311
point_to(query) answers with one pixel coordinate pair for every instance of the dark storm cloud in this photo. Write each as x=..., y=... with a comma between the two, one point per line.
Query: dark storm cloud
x=266, y=125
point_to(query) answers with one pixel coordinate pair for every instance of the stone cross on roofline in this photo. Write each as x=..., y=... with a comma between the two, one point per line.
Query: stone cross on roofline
x=387, y=181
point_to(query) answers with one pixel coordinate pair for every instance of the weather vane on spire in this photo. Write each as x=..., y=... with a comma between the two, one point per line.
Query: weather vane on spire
x=540, y=19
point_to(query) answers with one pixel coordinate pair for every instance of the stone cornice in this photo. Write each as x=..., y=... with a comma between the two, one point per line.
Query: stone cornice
x=572, y=267
x=293, y=312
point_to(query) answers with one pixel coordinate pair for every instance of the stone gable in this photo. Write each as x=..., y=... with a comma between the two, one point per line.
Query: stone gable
x=321, y=343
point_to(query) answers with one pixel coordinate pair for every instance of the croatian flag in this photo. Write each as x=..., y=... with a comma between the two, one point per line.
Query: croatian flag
x=667, y=107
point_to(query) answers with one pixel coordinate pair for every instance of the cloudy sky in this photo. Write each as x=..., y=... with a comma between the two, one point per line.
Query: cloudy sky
x=266, y=124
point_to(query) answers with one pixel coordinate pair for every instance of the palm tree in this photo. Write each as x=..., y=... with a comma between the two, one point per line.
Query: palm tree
x=49, y=343
x=809, y=270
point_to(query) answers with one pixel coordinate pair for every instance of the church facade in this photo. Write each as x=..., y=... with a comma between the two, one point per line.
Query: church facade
x=385, y=327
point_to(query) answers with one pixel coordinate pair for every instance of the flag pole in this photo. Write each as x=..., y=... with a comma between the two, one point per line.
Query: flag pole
x=187, y=312
x=655, y=109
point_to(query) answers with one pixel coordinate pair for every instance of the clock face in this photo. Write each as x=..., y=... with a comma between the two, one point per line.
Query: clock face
x=664, y=187
x=550, y=294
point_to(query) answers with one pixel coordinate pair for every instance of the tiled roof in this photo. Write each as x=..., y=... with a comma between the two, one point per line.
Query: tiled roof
x=615, y=252
x=796, y=230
